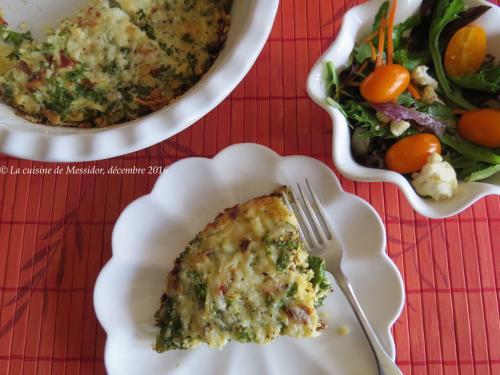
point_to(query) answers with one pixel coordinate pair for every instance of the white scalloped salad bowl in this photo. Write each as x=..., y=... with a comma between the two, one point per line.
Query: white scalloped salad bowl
x=251, y=24
x=154, y=229
x=355, y=25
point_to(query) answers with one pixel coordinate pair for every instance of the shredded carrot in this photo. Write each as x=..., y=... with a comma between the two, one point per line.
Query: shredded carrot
x=369, y=37
x=459, y=111
x=363, y=67
x=381, y=38
x=390, y=29
x=374, y=52
x=414, y=92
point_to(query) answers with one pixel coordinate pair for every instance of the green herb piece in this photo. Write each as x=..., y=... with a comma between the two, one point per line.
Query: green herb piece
x=200, y=287
x=319, y=281
x=112, y=68
x=7, y=91
x=445, y=11
x=283, y=260
x=59, y=98
x=170, y=336
x=318, y=266
x=245, y=335
x=13, y=37
x=76, y=74
x=293, y=290
x=144, y=25
x=188, y=38
x=286, y=248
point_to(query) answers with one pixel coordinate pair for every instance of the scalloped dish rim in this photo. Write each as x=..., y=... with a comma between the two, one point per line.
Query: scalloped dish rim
x=354, y=21
x=102, y=312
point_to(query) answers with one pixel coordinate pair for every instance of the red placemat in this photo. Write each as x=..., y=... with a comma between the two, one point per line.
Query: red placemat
x=55, y=230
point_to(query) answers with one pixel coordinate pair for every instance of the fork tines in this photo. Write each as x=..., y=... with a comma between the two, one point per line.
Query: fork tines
x=314, y=226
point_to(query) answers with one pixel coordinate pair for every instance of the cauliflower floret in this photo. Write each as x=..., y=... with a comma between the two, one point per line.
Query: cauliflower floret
x=421, y=77
x=437, y=179
x=429, y=95
x=382, y=117
x=398, y=127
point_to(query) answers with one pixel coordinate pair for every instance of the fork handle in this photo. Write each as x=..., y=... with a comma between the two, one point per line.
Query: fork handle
x=386, y=366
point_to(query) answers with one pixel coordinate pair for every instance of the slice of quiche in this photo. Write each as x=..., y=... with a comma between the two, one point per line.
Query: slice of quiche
x=246, y=277
x=96, y=68
x=191, y=32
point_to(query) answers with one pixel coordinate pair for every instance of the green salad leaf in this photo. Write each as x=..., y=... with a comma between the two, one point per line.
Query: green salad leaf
x=483, y=173
x=470, y=151
x=435, y=109
x=401, y=28
x=445, y=11
x=332, y=81
x=410, y=60
x=363, y=116
x=333, y=88
x=487, y=79
x=381, y=13
x=470, y=170
x=362, y=52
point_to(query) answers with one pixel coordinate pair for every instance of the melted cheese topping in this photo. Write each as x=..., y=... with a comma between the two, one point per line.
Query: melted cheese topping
x=192, y=32
x=5, y=62
x=246, y=277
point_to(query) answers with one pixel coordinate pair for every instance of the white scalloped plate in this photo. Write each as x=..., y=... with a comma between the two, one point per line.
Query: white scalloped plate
x=252, y=21
x=356, y=23
x=154, y=229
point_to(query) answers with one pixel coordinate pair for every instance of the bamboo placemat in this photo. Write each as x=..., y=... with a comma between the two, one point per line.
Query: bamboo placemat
x=55, y=231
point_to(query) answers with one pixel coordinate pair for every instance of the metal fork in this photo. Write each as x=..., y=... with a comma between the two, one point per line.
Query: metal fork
x=319, y=236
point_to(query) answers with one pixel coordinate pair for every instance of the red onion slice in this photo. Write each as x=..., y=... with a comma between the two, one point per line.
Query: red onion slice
x=396, y=112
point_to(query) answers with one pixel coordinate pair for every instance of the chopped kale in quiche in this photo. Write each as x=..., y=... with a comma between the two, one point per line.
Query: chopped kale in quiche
x=10, y=43
x=99, y=68
x=246, y=277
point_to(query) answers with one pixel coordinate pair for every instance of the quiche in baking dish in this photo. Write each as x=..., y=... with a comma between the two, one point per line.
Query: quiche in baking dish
x=114, y=61
x=246, y=277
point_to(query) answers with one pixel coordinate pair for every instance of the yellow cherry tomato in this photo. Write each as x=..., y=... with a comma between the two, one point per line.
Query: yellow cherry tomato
x=385, y=83
x=481, y=126
x=410, y=153
x=466, y=51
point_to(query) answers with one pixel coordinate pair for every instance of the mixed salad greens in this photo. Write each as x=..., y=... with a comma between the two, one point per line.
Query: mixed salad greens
x=422, y=97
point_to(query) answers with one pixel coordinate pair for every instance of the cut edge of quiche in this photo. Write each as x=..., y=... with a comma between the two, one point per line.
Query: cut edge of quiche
x=245, y=277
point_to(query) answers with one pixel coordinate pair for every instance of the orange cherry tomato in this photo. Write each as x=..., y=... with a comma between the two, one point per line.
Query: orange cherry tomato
x=466, y=51
x=385, y=83
x=410, y=153
x=481, y=126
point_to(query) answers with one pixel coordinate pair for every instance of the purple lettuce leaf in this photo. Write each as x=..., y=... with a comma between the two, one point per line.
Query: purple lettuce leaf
x=396, y=112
